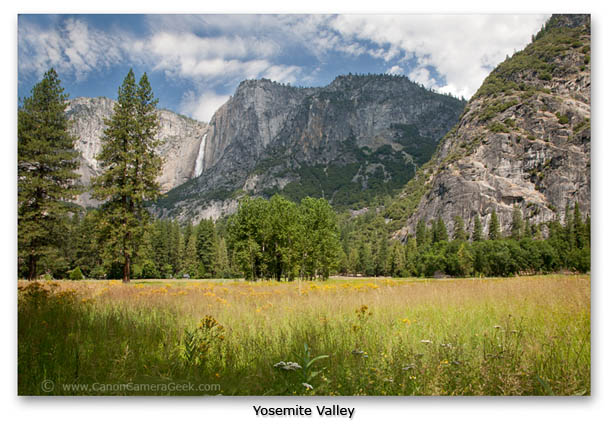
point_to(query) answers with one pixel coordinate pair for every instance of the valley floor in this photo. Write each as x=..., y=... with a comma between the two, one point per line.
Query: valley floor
x=349, y=336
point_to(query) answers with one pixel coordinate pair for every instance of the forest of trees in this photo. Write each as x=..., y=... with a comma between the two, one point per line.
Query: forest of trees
x=278, y=239
x=272, y=238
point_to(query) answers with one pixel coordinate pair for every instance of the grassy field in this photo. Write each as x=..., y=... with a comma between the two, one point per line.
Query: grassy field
x=514, y=336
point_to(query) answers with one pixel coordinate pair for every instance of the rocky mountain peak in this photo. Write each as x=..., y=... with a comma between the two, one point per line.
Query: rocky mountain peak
x=360, y=137
x=523, y=141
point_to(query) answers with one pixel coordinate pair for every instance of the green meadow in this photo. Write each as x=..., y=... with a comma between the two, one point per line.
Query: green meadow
x=493, y=336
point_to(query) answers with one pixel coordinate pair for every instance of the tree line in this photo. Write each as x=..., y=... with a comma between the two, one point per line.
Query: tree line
x=265, y=239
x=430, y=251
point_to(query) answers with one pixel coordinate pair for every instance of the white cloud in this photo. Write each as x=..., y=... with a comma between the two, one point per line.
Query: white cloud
x=423, y=76
x=202, y=106
x=396, y=70
x=462, y=48
x=451, y=53
x=72, y=48
x=190, y=56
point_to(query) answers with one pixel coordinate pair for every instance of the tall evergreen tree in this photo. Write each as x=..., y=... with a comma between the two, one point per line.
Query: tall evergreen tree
x=396, y=266
x=494, y=230
x=477, y=232
x=440, y=232
x=130, y=167
x=222, y=265
x=205, y=248
x=46, y=164
x=410, y=257
x=421, y=233
x=382, y=255
x=366, y=262
x=517, y=228
x=459, y=229
x=579, y=228
x=568, y=227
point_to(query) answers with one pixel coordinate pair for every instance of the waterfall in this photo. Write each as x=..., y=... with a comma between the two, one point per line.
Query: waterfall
x=199, y=166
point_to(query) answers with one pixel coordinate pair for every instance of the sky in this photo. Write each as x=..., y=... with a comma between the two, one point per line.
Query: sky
x=195, y=62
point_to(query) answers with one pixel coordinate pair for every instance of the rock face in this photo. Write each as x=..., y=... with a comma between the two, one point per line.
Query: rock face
x=523, y=141
x=181, y=136
x=360, y=137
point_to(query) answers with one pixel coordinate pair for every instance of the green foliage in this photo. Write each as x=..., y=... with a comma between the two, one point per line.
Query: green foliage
x=46, y=165
x=205, y=248
x=493, y=109
x=477, y=232
x=76, y=274
x=563, y=119
x=279, y=239
x=439, y=231
x=459, y=233
x=538, y=57
x=494, y=228
x=517, y=228
x=420, y=147
x=498, y=127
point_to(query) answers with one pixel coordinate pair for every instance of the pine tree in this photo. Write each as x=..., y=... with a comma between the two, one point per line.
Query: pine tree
x=190, y=261
x=459, y=229
x=130, y=167
x=205, y=248
x=570, y=236
x=382, y=255
x=222, y=266
x=421, y=233
x=366, y=263
x=396, y=265
x=528, y=228
x=410, y=257
x=494, y=231
x=439, y=230
x=579, y=228
x=477, y=233
x=517, y=229
x=46, y=164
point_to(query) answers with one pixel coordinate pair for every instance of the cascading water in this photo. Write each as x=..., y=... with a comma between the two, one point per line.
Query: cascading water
x=199, y=167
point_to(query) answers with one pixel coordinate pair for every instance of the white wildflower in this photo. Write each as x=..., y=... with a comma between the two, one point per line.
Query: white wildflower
x=287, y=366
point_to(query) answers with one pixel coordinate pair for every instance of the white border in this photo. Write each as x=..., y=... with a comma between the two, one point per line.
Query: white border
x=474, y=415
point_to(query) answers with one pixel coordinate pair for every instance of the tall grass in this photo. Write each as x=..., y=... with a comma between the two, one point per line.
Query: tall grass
x=515, y=336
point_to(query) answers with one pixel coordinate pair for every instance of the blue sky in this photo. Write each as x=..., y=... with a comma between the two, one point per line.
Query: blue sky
x=195, y=62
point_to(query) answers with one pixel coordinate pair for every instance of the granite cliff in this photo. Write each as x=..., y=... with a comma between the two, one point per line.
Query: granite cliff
x=181, y=137
x=359, y=138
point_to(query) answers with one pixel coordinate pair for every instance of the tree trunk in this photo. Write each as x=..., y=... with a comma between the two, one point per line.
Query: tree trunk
x=126, y=269
x=31, y=267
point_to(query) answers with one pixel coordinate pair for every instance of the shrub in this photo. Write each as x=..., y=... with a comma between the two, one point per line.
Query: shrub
x=563, y=119
x=498, y=127
x=76, y=274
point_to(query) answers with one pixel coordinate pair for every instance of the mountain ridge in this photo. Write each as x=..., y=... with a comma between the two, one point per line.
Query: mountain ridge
x=349, y=141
